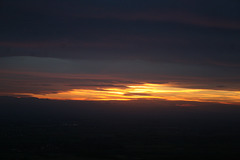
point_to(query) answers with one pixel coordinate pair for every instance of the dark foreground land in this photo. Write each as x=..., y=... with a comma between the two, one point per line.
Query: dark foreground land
x=74, y=130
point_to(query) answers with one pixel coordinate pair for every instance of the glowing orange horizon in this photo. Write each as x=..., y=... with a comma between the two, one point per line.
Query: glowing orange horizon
x=146, y=91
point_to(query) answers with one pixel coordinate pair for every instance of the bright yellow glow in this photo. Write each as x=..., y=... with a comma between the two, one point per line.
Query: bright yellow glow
x=146, y=91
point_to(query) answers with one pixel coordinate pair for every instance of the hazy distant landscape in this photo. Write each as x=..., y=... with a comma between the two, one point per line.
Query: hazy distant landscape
x=47, y=129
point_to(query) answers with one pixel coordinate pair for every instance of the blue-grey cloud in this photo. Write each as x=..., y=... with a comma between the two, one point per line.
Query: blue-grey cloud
x=47, y=75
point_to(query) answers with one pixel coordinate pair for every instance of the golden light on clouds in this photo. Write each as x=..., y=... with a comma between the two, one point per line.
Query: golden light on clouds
x=146, y=91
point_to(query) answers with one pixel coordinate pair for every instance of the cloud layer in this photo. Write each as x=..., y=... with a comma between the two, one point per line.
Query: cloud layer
x=55, y=46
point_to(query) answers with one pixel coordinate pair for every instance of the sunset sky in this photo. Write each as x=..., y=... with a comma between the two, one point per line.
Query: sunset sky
x=95, y=50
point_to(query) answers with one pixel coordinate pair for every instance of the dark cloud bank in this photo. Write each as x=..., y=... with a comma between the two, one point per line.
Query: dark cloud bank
x=204, y=32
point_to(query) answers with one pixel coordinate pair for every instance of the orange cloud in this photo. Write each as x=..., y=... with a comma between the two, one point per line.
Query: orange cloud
x=146, y=91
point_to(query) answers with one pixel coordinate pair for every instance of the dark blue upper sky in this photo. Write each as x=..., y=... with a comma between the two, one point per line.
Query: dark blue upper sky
x=189, y=31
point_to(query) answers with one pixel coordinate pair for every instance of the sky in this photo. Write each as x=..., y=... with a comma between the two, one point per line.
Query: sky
x=187, y=50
